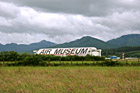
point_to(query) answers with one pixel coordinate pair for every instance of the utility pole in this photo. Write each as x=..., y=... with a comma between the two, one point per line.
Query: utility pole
x=122, y=55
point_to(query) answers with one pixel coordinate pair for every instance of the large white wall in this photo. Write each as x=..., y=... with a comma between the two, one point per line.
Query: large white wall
x=80, y=51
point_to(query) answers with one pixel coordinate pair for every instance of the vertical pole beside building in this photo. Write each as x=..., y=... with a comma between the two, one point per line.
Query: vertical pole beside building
x=122, y=55
x=100, y=52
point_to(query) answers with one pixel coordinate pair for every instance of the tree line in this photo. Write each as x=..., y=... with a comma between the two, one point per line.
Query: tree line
x=12, y=58
x=34, y=59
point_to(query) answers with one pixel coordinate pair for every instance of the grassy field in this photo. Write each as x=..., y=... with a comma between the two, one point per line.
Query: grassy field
x=70, y=79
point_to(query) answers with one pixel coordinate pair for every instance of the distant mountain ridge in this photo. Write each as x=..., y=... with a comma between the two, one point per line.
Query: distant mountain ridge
x=87, y=41
x=126, y=40
x=24, y=47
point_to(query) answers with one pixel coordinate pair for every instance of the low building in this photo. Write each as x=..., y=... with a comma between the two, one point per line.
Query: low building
x=114, y=57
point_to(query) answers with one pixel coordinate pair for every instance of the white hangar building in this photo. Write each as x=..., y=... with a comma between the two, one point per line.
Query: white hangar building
x=79, y=51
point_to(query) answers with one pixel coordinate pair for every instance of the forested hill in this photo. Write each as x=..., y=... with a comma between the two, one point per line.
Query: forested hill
x=129, y=52
x=24, y=47
x=126, y=40
x=86, y=41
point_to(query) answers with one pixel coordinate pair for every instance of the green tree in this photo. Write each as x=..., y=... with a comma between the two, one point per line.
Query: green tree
x=4, y=56
x=32, y=60
x=13, y=56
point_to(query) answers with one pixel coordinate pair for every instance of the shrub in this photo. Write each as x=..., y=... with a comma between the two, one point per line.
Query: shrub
x=110, y=63
x=33, y=60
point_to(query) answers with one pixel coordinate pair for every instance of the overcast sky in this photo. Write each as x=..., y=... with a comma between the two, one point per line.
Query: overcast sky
x=28, y=21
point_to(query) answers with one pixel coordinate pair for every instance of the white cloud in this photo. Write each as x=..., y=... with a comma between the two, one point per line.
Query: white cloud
x=8, y=9
x=26, y=38
x=28, y=24
x=4, y=22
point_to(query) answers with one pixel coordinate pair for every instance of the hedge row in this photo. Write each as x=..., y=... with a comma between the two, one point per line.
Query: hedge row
x=14, y=56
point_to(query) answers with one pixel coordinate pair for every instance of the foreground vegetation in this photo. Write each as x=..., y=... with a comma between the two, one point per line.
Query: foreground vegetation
x=69, y=79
